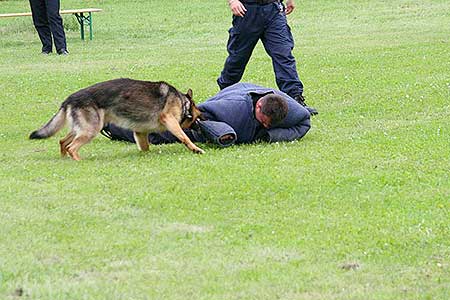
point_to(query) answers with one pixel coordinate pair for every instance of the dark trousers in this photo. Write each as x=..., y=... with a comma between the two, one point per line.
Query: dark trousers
x=208, y=131
x=266, y=23
x=48, y=23
x=121, y=134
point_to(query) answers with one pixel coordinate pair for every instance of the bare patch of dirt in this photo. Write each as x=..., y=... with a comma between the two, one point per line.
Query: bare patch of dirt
x=350, y=266
x=18, y=292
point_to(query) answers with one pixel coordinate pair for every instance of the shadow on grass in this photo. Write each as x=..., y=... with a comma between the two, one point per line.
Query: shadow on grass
x=119, y=152
x=106, y=150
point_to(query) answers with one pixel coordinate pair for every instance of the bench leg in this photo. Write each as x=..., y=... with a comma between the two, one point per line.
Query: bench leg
x=90, y=26
x=82, y=20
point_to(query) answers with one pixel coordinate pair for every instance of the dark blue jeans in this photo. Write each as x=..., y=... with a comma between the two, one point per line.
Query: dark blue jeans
x=266, y=23
x=209, y=131
x=48, y=23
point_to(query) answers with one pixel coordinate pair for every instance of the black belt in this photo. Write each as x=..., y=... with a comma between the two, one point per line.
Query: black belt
x=260, y=2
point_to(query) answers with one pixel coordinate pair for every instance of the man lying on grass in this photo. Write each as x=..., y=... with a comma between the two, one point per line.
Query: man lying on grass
x=241, y=113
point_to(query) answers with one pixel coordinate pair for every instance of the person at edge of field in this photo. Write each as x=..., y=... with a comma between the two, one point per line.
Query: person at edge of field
x=49, y=24
x=241, y=113
x=264, y=20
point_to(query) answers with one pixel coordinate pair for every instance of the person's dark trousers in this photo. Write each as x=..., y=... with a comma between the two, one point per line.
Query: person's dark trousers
x=209, y=131
x=48, y=23
x=121, y=134
x=268, y=23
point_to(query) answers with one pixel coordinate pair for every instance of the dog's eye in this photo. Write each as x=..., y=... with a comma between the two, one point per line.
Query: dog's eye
x=189, y=117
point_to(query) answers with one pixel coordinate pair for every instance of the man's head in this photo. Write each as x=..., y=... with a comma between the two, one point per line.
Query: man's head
x=271, y=109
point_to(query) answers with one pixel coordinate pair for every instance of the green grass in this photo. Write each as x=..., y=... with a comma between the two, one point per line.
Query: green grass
x=357, y=209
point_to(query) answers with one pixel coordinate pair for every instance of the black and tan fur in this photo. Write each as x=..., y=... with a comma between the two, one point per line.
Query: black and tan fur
x=141, y=106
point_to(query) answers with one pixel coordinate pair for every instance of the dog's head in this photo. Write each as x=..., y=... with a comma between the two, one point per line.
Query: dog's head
x=191, y=113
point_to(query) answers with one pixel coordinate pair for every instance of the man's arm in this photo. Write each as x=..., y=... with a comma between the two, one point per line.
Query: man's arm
x=288, y=134
x=237, y=7
x=290, y=6
x=296, y=124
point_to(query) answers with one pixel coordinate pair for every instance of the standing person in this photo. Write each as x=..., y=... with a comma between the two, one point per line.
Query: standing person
x=48, y=23
x=264, y=20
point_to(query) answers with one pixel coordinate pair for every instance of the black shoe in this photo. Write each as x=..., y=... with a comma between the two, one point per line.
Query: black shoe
x=106, y=132
x=301, y=100
x=63, y=52
x=46, y=52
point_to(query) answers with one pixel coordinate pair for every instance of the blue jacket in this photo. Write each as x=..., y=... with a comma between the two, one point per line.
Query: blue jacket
x=234, y=106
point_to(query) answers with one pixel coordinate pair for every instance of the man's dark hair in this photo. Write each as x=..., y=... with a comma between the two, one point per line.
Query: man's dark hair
x=275, y=107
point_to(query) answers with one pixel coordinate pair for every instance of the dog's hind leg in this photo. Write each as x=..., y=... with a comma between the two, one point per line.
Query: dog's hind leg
x=65, y=142
x=173, y=126
x=141, y=139
x=82, y=138
x=76, y=144
x=87, y=125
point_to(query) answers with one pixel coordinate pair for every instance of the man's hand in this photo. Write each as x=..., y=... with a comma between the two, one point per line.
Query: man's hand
x=237, y=7
x=290, y=6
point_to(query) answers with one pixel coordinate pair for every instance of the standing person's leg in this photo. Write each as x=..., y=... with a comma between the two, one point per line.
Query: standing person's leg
x=279, y=43
x=40, y=21
x=243, y=37
x=56, y=25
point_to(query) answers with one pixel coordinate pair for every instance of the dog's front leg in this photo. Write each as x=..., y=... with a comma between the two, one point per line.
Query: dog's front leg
x=173, y=126
x=141, y=139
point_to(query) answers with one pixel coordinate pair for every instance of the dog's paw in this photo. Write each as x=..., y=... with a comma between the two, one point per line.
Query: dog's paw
x=198, y=150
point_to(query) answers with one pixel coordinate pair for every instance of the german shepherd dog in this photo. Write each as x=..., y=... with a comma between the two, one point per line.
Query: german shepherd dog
x=141, y=106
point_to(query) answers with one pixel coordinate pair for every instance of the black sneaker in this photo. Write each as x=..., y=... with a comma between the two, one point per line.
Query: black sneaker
x=63, y=52
x=106, y=132
x=301, y=100
x=46, y=52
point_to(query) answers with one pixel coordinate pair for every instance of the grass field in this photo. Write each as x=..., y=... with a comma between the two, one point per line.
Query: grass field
x=357, y=209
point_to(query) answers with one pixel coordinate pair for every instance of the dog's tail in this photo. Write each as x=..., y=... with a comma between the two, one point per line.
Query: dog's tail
x=53, y=126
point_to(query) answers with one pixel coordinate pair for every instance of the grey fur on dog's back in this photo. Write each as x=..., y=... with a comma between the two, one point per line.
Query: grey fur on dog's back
x=126, y=102
x=133, y=100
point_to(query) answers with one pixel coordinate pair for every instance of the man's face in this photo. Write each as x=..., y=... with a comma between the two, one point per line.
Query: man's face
x=262, y=118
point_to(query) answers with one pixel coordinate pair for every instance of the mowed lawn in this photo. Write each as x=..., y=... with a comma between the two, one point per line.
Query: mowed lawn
x=357, y=209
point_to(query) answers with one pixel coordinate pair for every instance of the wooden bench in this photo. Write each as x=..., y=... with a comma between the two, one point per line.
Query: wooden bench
x=84, y=17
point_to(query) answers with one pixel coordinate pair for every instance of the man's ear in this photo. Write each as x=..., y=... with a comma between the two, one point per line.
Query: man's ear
x=189, y=94
x=258, y=105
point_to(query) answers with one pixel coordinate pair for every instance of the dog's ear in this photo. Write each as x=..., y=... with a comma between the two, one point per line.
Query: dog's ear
x=189, y=94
